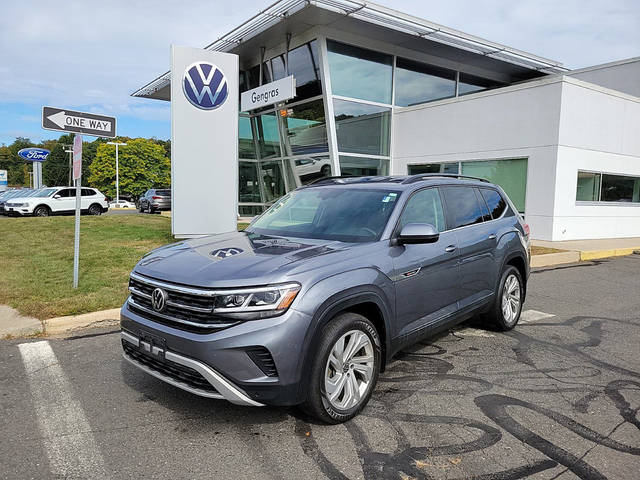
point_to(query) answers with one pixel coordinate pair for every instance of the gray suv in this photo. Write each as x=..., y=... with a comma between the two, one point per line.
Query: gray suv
x=155, y=199
x=310, y=303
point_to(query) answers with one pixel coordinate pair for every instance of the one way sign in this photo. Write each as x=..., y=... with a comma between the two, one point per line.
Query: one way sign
x=64, y=120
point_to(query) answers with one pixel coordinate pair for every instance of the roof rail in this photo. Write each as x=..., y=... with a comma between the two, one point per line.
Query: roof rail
x=355, y=178
x=424, y=176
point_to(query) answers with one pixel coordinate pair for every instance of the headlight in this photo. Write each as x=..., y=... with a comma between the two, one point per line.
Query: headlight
x=256, y=303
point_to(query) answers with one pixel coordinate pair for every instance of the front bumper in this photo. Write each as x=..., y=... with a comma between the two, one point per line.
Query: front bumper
x=18, y=211
x=228, y=353
x=223, y=389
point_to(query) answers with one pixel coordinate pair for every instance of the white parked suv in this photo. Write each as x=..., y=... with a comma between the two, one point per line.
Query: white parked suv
x=57, y=201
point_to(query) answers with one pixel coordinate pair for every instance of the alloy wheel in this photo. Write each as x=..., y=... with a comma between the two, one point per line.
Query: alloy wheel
x=349, y=370
x=511, y=299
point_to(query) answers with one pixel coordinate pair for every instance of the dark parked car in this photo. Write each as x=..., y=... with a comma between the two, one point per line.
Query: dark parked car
x=155, y=200
x=310, y=303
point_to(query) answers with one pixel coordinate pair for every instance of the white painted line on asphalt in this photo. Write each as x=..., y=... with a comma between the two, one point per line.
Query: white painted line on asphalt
x=68, y=441
x=529, y=316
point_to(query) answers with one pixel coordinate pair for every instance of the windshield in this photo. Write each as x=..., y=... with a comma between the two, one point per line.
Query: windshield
x=331, y=213
x=47, y=192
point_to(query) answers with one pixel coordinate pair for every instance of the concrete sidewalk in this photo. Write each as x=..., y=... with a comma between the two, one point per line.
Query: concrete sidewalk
x=13, y=324
x=581, y=250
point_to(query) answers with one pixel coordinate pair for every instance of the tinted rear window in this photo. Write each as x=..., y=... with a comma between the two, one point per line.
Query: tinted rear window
x=163, y=192
x=495, y=202
x=463, y=206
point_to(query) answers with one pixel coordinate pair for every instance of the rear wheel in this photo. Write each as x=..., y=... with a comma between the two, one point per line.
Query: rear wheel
x=345, y=370
x=42, y=211
x=95, y=209
x=506, y=309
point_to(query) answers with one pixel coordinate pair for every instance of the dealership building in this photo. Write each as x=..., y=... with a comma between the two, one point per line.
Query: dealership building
x=380, y=92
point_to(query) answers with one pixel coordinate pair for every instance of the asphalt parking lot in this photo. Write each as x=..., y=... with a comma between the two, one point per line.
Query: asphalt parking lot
x=558, y=397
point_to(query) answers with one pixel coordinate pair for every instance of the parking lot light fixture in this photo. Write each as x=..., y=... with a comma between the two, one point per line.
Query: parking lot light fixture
x=117, y=144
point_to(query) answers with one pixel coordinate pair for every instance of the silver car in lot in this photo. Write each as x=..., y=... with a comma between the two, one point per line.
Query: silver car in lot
x=154, y=200
x=311, y=302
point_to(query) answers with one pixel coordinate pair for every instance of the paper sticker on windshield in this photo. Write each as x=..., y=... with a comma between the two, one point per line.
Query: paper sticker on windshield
x=390, y=198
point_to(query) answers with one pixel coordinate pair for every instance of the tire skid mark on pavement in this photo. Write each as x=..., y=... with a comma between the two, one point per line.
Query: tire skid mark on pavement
x=71, y=448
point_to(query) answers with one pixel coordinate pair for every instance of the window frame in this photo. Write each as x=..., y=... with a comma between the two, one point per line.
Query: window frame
x=600, y=202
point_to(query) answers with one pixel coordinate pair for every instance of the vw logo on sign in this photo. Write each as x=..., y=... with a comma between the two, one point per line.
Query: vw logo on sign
x=204, y=85
x=226, y=252
x=158, y=299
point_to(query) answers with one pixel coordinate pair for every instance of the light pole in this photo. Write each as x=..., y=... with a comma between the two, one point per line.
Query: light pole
x=69, y=150
x=117, y=144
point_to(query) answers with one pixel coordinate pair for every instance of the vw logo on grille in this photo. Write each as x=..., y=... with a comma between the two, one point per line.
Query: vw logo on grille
x=204, y=85
x=158, y=299
x=226, y=252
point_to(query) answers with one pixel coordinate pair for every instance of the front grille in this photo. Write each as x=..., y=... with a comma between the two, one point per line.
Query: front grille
x=185, y=311
x=177, y=372
x=263, y=359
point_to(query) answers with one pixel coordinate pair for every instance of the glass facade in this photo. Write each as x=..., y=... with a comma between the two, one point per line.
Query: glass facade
x=358, y=166
x=284, y=146
x=359, y=73
x=287, y=145
x=607, y=187
x=362, y=128
x=419, y=83
x=510, y=174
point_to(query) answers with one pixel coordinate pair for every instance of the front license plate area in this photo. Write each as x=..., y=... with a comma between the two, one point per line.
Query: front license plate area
x=152, y=345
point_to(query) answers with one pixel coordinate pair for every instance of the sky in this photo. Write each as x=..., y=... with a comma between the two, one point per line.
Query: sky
x=90, y=56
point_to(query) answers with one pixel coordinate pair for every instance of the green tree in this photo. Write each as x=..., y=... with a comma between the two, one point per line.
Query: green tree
x=55, y=170
x=10, y=161
x=143, y=165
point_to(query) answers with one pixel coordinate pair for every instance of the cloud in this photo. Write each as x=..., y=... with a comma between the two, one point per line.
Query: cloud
x=79, y=55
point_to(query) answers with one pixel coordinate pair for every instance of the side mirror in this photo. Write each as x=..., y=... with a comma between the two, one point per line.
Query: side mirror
x=56, y=196
x=413, y=233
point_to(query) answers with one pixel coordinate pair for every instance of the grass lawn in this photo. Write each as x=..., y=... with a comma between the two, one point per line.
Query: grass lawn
x=544, y=250
x=36, y=261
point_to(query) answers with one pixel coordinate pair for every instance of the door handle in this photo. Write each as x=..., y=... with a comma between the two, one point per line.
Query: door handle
x=450, y=248
x=492, y=236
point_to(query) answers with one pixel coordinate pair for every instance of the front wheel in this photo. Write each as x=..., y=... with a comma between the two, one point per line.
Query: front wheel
x=345, y=369
x=506, y=309
x=41, y=211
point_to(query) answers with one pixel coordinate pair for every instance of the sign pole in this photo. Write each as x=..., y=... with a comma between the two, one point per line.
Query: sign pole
x=77, y=177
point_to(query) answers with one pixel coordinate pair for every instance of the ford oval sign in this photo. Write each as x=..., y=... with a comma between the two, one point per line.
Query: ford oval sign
x=34, y=154
x=204, y=85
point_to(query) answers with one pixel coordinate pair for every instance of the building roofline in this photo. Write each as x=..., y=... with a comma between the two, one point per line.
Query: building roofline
x=375, y=14
x=600, y=66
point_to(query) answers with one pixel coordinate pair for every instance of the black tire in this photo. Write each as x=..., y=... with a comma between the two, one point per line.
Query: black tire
x=41, y=211
x=95, y=209
x=317, y=403
x=141, y=208
x=496, y=315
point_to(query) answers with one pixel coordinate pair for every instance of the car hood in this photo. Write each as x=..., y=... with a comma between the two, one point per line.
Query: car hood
x=234, y=259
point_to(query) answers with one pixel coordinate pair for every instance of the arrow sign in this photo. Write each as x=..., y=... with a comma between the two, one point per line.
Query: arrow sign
x=65, y=120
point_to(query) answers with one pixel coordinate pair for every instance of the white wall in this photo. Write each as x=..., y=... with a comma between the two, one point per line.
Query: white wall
x=599, y=131
x=623, y=76
x=516, y=121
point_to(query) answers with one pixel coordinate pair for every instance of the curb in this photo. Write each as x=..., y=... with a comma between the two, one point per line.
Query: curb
x=596, y=254
x=63, y=325
x=549, y=259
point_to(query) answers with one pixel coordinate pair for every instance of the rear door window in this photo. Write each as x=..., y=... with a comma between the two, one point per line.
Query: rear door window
x=424, y=206
x=463, y=206
x=87, y=192
x=495, y=202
